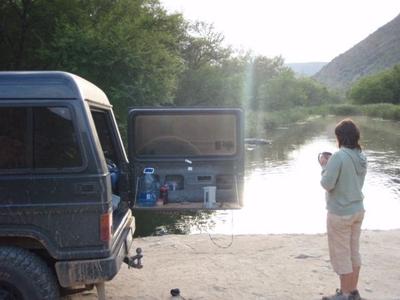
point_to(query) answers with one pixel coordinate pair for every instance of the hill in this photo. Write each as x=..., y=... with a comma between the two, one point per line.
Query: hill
x=379, y=51
x=306, y=69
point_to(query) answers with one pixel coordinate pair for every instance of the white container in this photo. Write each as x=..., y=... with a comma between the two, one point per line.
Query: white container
x=209, y=196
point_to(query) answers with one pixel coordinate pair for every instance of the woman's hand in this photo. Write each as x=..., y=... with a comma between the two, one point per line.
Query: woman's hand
x=323, y=158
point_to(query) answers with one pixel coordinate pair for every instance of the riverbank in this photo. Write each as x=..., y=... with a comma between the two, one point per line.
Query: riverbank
x=260, y=121
x=255, y=267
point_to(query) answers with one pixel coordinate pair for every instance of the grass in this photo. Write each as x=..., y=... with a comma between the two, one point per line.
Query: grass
x=256, y=121
x=382, y=110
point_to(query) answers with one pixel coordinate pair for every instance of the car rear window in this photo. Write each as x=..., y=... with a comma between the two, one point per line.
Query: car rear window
x=13, y=138
x=38, y=138
x=185, y=135
x=54, y=139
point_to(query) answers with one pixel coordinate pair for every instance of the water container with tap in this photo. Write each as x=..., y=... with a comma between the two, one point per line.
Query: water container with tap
x=148, y=188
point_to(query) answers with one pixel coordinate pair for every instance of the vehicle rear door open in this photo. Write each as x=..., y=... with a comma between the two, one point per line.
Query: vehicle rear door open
x=186, y=159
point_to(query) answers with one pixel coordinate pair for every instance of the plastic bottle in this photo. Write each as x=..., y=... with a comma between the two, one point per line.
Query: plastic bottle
x=148, y=188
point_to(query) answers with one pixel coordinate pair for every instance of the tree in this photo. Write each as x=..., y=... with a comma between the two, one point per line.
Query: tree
x=383, y=87
x=281, y=92
x=260, y=70
x=202, y=45
x=285, y=91
x=130, y=48
x=211, y=76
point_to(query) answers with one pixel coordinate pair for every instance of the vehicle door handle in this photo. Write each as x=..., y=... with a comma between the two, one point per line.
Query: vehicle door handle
x=85, y=188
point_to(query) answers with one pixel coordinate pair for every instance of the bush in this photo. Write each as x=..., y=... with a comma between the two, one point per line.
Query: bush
x=383, y=87
x=382, y=110
x=259, y=121
x=345, y=109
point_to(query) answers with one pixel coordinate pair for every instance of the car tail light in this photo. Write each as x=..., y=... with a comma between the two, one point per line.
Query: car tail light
x=106, y=227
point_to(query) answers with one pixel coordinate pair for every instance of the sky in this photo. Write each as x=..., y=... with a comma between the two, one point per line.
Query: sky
x=299, y=31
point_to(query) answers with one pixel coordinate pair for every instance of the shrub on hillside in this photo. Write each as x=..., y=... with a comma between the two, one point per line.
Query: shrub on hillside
x=383, y=87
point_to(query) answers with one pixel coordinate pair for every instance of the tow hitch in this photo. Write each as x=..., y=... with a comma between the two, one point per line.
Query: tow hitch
x=135, y=261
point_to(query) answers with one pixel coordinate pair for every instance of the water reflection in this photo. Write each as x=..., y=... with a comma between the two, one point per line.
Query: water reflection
x=282, y=191
x=159, y=223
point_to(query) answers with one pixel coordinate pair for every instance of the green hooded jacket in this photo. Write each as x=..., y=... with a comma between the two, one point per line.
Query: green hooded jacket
x=343, y=179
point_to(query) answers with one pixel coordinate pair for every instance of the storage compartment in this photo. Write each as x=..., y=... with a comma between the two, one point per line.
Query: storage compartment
x=188, y=151
x=186, y=191
x=225, y=182
x=174, y=182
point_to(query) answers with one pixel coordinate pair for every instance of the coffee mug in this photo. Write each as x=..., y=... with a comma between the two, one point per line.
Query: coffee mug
x=325, y=154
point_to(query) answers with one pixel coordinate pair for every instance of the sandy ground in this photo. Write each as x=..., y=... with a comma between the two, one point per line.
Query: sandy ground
x=254, y=267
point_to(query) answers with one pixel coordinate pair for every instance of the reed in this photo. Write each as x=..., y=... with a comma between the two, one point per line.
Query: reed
x=385, y=111
x=259, y=121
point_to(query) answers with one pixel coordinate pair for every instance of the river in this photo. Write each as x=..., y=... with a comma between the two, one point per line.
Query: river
x=282, y=191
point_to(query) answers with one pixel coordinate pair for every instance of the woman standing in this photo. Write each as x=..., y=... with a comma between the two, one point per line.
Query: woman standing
x=343, y=177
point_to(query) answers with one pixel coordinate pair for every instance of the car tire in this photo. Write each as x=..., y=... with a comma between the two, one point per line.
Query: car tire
x=24, y=276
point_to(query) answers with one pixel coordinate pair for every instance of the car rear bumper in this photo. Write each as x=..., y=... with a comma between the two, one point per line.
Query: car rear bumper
x=80, y=272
